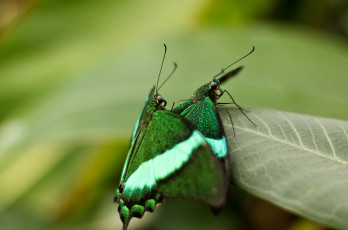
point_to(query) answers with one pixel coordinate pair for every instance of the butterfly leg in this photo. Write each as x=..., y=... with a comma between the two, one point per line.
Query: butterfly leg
x=239, y=107
x=234, y=132
x=229, y=115
x=221, y=93
x=234, y=102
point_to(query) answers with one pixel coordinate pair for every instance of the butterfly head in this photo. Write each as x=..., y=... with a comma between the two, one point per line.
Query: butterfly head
x=214, y=85
x=208, y=90
x=213, y=89
x=160, y=100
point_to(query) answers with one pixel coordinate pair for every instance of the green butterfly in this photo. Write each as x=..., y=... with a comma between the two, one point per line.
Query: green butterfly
x=168, y=157
x=201, y=111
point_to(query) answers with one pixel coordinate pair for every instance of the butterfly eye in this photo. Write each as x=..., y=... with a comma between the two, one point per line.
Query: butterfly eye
x=213, y=85
x=160, y=100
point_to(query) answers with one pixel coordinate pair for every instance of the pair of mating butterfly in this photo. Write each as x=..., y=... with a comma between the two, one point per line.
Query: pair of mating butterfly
x=177, y=153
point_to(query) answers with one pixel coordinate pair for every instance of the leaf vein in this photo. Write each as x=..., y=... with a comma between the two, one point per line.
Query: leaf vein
x=343, y=130
x=328, y=138
x=293, y=127
x=314, y=142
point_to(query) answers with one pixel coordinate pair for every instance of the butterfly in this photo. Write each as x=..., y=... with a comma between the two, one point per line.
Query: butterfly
x=168, y=157
x=201, y=111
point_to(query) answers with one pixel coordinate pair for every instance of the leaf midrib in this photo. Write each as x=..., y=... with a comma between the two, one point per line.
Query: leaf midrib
x=271, y=137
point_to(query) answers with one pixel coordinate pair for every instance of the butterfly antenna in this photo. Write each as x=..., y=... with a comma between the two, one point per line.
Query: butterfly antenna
x=175, y=66
x=164, y=55
x=223, y=70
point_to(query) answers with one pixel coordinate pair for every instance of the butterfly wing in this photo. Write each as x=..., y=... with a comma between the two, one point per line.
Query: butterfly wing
x=204, y=116
x=164, y=158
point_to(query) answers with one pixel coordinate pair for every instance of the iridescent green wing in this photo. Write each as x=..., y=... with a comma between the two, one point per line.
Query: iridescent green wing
x=203, y=114
x=164, y=158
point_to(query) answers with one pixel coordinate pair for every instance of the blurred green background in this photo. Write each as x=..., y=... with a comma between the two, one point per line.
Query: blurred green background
x=74, y=76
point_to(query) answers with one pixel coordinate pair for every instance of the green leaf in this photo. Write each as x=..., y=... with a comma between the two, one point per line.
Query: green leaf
x=298, y=162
